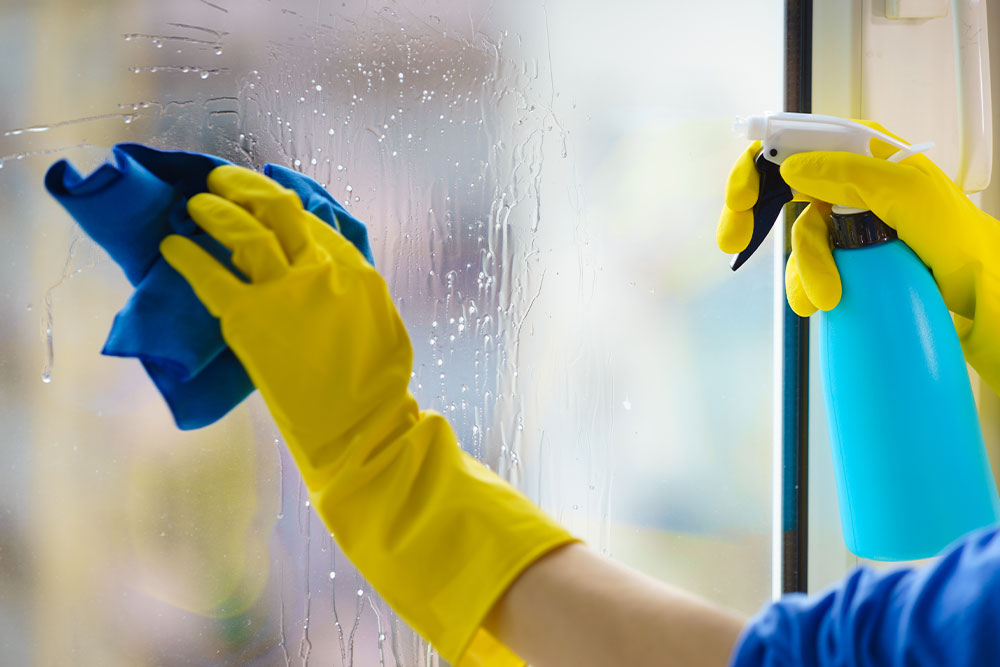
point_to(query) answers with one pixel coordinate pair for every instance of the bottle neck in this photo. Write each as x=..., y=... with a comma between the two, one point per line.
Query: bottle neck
x=859, y=230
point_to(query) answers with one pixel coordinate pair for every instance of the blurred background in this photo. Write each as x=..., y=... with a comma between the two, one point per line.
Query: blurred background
x=541, y=183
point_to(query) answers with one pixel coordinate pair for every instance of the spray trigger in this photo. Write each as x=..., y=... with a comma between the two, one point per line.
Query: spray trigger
x=772, y=196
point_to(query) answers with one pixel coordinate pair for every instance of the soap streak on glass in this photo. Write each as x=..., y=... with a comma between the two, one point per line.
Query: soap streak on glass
x=281, y=478
x=48, y=322
x=304, y=513
x=333, y=602
x=158, y=40
x=282, y=638
x=381, y=633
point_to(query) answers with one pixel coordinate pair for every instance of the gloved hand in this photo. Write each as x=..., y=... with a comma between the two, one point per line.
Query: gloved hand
x=437, y=534
x=958, y=241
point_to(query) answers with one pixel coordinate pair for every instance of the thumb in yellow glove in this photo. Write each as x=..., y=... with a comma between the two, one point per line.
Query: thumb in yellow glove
x=438, y=535
x=958, y=241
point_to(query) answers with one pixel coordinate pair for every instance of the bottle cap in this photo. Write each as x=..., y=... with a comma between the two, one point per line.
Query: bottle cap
x=858, y=230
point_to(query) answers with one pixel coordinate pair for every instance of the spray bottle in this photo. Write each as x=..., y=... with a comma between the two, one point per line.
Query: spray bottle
x=910, y=464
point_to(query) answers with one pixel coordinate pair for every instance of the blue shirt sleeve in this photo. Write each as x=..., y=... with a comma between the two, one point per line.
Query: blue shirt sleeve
x=947, y=613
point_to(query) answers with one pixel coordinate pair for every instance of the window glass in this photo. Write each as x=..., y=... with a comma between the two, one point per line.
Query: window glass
x=541, y=184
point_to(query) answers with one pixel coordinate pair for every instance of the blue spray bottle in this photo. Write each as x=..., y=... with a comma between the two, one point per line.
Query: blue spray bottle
x=911, y=468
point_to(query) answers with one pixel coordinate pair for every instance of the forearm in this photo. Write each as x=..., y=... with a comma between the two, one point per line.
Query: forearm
x=575, y=608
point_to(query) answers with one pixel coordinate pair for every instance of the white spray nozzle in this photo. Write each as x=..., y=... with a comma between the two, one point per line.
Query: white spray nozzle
x=751, y=127
x=785, y=134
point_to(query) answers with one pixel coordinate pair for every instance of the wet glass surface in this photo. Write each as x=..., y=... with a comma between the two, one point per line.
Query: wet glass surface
x=541, y=184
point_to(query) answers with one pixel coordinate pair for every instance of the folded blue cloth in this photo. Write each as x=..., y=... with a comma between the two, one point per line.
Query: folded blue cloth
x=128, y=206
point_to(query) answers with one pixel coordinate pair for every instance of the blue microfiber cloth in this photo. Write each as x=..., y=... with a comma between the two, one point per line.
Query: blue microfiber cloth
x=128, y=206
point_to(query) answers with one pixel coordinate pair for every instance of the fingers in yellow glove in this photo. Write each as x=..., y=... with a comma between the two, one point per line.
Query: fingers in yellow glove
x=811, y=278
x=277, y=208
x=256, y=249
x=816, y=271
x=795, y=292
x=301, y=234
x=744, y=181
x=736, y=222
x=214, y=284
x=854, y=180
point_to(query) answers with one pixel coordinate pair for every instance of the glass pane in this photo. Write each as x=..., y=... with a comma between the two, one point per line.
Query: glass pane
x=541, y=184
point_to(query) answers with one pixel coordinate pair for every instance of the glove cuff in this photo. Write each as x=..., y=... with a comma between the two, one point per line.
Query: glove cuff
x=437, y=534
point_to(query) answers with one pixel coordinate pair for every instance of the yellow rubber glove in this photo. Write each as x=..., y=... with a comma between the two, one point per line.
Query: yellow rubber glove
x=436, y=533
x=957, y=240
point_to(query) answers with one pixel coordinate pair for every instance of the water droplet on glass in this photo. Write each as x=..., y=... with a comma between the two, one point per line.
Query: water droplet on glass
x=330, y=131
x=218, y=52
x=46, y=377
x=627, y=404
x=318, y=87
x=360, y=592
x=333, y=575
x=298, y=162
x=204, y=74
